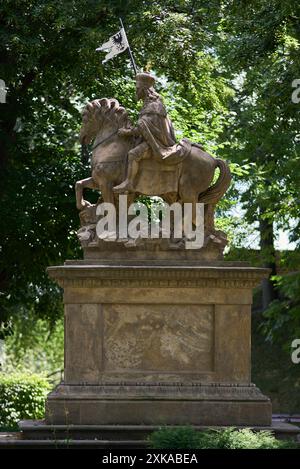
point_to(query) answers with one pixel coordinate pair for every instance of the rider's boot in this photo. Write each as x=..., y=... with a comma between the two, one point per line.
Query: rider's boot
x=127, y=186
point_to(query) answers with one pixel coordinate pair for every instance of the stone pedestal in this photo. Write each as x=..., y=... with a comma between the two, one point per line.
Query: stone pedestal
x=157, y=343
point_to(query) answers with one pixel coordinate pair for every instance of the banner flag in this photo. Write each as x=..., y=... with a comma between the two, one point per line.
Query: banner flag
x=115, y=45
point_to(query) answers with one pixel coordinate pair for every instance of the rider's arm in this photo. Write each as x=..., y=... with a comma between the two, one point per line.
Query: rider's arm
x=134, y=131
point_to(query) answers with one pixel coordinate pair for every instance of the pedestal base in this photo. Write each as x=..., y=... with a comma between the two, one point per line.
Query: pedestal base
x=144, y=404
x=38, y=434
x=157, y=344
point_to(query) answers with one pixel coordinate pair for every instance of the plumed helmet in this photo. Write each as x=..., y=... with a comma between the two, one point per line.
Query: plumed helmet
x=145, y=79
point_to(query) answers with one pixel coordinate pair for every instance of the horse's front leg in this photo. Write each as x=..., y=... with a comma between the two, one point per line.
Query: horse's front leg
x=79, y=187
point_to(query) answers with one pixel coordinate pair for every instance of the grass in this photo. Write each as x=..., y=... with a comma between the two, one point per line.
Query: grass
x=229, y=438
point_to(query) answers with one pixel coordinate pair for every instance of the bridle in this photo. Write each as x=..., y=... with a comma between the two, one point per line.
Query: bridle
x=105, y=139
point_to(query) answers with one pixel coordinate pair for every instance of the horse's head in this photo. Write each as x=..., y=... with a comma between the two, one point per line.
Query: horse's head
x=102, y=115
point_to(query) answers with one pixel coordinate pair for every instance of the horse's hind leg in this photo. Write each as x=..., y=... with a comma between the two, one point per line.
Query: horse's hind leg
x=79, y=187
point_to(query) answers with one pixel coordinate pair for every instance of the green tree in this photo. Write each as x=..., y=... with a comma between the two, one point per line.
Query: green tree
x=51, y=69
x=259, y=43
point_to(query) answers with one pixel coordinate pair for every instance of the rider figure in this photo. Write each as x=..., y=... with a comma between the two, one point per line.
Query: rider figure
x=156, y=132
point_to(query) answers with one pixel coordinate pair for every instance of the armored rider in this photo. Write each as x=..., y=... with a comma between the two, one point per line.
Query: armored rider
x=154, y=132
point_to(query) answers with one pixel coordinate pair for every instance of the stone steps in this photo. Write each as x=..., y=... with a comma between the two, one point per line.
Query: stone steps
x=37, y=430
x=36, y=434
x=17, y=441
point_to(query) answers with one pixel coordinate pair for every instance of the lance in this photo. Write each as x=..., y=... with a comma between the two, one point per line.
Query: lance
x=129, y=49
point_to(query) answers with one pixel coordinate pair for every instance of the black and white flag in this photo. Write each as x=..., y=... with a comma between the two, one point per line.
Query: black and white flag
x=115, y=45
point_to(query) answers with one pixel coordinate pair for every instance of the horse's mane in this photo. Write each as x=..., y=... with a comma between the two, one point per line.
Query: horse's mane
x=109, y=108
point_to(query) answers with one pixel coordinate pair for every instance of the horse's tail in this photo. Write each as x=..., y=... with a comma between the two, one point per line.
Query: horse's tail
x=214, y=193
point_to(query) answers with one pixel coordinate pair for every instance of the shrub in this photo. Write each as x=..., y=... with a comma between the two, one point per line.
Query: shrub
x=34, y=347
x=180, y=437
x=22, y=396
x=229, y=438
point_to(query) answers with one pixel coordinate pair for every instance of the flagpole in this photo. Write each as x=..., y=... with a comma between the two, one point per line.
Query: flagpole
x=129, y=50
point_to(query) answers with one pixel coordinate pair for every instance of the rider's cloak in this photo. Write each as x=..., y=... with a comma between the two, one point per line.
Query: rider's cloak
x=157, y=130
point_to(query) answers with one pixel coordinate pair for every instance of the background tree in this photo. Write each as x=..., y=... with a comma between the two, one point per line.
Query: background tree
x=51, y=69
x=259, y=45
x=225, y=69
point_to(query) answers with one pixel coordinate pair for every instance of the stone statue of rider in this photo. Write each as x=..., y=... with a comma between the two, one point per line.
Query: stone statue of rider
x=154, y=132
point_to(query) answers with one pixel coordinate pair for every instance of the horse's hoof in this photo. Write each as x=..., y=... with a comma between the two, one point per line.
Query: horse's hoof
x=123, y=189
x=118, y=190
x=108, y=236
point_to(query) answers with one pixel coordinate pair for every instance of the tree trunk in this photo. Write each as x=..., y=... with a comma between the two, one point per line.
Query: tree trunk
x=268, y=256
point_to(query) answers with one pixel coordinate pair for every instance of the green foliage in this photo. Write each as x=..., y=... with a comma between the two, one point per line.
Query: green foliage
x=198, y=107
x=282, y=319
x=260, y=42
x=177, y=437
x=230, y=438
x=272, y=368
x=33, y=347
x=22, y=396
x=225, y=70
x=51, y=68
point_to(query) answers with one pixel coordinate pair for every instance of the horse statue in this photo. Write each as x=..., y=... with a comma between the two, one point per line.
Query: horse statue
x=190, y=181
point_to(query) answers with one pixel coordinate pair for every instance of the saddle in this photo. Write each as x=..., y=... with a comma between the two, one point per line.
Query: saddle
x=158, y=177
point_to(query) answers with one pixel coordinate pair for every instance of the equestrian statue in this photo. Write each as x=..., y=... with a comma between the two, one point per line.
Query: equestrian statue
x=146, y=159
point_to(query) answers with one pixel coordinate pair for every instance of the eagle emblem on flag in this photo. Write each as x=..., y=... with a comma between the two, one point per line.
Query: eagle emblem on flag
x=115, y=45
x=118, y=41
